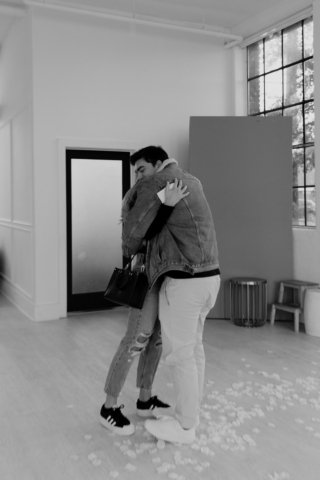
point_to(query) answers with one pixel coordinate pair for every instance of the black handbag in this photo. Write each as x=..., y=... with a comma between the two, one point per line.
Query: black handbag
x=127, y=287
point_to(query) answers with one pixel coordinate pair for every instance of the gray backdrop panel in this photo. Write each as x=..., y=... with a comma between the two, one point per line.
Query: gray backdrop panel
x=245, y=167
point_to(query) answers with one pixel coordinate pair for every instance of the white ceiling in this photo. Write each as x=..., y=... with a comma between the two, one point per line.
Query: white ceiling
x=224, y=14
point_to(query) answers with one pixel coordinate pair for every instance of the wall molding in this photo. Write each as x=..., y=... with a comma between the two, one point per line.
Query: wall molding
x=18, y=297
x=27, y=227
x=16, y=287
x=46, y=312
x=26, y=305
x=18, y=111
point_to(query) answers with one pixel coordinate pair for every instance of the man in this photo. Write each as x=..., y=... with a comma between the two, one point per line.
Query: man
x=184, y=253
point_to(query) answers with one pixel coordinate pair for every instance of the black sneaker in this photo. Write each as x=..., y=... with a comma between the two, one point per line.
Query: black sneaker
x=113, y=420
x=149, y=408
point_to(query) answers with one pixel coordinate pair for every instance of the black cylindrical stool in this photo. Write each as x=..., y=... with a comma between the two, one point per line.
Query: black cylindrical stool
x=248, y=301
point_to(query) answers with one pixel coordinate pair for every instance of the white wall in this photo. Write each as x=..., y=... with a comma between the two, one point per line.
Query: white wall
x=97, y=79
x=16, y=179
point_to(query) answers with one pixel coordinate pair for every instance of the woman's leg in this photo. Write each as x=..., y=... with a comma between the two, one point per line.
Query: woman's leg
x=140, y=328
x=150, y=356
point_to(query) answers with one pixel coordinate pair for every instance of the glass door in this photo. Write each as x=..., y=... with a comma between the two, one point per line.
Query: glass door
x=96, y=184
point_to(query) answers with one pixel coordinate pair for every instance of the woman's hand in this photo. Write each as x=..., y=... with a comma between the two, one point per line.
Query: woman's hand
x=174, y=192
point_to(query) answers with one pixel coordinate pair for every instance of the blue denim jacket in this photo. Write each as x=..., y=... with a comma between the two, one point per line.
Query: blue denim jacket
x=187, y=242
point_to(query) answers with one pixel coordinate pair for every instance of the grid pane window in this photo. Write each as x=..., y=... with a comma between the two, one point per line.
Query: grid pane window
x=273, y=52
x=255, y=55
x=280, y=82
x=292, y=43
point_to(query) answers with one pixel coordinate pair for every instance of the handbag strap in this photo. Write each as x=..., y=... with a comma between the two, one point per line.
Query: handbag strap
x=130, y=261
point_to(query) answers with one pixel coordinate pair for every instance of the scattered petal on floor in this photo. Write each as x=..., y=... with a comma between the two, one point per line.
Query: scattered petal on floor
x=92, y=456
x=223, y=422
x=96, y=462
x=131, y=454
x=114, y=474
x=279, y=476
x=130, y=467
x=165, y=467
x=198, y=468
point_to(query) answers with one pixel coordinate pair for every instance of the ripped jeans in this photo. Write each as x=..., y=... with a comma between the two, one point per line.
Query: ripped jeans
x=143, y=338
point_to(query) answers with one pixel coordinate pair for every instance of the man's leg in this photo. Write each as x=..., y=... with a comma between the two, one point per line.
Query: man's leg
x=184, y=305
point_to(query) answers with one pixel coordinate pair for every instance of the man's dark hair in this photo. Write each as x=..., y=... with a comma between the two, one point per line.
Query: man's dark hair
x=149, y=154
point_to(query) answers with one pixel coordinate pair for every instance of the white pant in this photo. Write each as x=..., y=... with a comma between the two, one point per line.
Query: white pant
x=183, y=307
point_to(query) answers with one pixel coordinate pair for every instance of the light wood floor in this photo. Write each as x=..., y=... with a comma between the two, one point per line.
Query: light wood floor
x=260, y=413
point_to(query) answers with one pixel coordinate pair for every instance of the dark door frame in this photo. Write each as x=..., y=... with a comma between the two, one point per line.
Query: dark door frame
x=94, y=300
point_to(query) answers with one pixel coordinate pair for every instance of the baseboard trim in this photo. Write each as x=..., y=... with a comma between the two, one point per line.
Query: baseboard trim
x=18, y=299
x=36, y=313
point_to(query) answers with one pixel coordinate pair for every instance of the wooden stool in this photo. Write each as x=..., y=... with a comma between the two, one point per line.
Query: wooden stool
x=296, y=307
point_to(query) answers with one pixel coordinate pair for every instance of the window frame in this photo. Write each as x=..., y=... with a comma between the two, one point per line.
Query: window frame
x=285, y=106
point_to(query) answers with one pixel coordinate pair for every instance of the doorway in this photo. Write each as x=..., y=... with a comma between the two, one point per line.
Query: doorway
x=96, y=182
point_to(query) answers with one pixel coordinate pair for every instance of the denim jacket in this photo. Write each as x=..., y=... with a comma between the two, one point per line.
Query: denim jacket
x=187, y=242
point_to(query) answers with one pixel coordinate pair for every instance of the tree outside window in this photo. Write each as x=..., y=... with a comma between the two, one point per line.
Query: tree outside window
x=280, y=82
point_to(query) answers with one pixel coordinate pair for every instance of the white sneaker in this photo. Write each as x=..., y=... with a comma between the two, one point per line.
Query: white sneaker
x=170, y=430
x=163, y=412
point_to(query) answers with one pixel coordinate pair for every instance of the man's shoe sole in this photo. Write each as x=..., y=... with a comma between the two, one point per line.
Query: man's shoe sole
x=163, y=412
x=124, y=431
x=159, y=436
